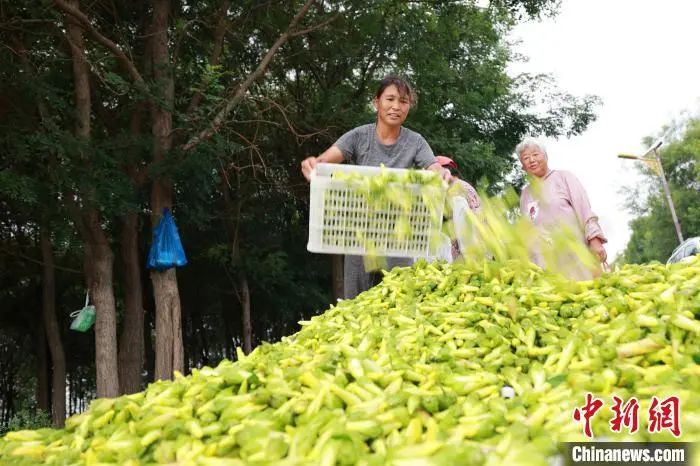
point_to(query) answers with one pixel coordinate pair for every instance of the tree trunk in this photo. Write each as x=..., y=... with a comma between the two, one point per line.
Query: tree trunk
x=198, y=343
x=169, y=349
x=233, y=211
x=81, y=78
x=99, y=259
x=71, y=397
x=99, y=263
x=244, y=292
x=42, y=367
x=53, y=332
x=229, y=347
x=188, y=342
x=149, y=354
x=337, y=277
x=131, y=339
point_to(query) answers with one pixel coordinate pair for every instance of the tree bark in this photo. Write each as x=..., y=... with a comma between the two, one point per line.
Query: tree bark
x=149, y=354
x=169, y=349
x=233, y=211
x=99, y=259
x=131, y=339
x=53, y=332
x=337, y=276
x=81, y=78
x=99, y=263
x=244, y=292
x=229, y=346
x=198, y=346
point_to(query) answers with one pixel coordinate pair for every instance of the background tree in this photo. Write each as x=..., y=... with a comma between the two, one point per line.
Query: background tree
x=112, y=110
x=653, y=235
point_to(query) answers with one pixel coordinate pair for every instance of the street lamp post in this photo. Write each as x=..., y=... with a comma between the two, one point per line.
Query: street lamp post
x=657, y=158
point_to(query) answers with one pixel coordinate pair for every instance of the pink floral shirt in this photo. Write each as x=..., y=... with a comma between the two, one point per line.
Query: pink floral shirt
x=468, y=192
x=471, y=195
x=561, y=201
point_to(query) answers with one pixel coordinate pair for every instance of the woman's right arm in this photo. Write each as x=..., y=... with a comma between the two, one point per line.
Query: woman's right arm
x=331, y=155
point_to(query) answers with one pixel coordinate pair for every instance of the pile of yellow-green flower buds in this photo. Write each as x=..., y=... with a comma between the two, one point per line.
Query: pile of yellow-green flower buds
x=480, y=363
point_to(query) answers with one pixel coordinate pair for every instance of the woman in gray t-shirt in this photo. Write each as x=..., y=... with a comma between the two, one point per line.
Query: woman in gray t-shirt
x=384, y=142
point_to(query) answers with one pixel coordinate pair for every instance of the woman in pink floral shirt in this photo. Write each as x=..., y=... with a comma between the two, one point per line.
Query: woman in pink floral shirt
x=556, y=200
x=464, y=190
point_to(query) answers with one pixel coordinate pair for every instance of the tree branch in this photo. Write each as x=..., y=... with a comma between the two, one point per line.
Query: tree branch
x=75, y=214
x=85, y=23
x=292, y=130
x=237, y=97
x=219, y=34
x=317, y=26
x=21, y=51
x=36, y=261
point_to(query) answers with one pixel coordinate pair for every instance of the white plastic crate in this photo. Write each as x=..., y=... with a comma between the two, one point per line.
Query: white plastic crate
x=337, y=213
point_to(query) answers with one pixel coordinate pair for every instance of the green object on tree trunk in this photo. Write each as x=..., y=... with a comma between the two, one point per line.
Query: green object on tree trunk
x=84, y=318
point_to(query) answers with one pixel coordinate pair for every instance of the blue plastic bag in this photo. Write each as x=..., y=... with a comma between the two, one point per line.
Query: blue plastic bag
x=166, y=250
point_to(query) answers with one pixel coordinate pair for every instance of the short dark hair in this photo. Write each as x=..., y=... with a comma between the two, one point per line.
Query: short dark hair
x=401, y=84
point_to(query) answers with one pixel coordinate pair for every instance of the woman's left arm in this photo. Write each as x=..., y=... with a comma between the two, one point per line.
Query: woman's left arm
x=588, y=220
x=425, y=159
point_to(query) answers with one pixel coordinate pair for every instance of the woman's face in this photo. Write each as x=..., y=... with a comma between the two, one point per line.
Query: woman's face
x=534, y=161
x=392, y=107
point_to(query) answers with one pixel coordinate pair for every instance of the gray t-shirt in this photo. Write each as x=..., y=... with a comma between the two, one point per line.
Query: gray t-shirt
x=360, y=146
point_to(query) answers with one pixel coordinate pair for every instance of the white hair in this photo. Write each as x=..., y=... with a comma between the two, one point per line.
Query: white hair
x=530, y=142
